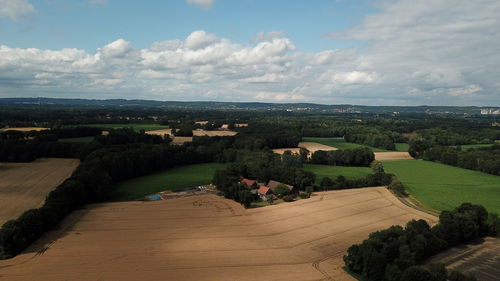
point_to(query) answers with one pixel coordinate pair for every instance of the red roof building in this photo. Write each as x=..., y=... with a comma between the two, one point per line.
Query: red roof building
x=264, y=190
x=250, y=183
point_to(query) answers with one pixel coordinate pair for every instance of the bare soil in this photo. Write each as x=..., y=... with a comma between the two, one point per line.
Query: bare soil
x=481, y=258
x=207, y=237
x=24, y=186
x=385, y=156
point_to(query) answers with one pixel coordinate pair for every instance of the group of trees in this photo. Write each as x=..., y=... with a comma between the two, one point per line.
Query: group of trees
x=486, y=159
x=367, y=137
x=394, y=253
x=262, y=166
x=361, y=156
x=378, y=178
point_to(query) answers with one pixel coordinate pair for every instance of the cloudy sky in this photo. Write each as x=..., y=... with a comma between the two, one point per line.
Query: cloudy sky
x=386, y=52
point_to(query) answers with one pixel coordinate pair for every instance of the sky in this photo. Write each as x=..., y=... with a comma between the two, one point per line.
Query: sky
x=379, y=52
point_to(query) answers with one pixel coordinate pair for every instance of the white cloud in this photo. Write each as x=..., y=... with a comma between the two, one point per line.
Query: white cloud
x=200, y=39
x=15, y=9
x=354, y=77
x=411, y=54
x=203, y=4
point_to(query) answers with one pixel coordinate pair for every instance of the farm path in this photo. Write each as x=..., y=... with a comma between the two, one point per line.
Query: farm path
x=211, y=238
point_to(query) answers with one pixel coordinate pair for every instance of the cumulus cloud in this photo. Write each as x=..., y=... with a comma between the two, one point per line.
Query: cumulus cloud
x=411, y=54
x=203, y=4
x=15, y=9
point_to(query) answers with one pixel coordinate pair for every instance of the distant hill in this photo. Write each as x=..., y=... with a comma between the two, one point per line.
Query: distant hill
x=212, y=105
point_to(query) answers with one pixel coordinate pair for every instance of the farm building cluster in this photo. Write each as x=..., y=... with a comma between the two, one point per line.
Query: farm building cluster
x=269, y=190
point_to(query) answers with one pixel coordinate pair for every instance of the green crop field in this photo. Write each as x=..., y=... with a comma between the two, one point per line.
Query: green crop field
x=443, y=187
x=340, y=143
x=181, y=177
x=403, y=147
x=137, y=127
x=333, y=172
x=82, y=139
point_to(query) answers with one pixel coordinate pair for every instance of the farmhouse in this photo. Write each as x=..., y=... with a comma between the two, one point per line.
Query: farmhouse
x=264, y=192
x=250, y=183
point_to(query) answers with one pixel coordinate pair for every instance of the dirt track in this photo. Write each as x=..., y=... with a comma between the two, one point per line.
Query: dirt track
x=24, y=186
x=211, y=238
x=381, y=156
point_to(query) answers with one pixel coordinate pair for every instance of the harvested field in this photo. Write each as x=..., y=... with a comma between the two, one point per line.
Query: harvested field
x=24, y=186
x=161, y=132
x=480, y=258
x=213, y=133
x=207, y=237
x=294, y=150
x=386, y=156
x=181, y=140
x=314, y=146
x=26, y=129
x=311, y=146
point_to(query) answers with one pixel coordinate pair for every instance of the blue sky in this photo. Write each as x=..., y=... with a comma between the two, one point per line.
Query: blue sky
x=394, y=52
x=90, y=25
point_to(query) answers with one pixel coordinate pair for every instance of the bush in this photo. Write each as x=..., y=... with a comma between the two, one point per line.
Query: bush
x=288, y=198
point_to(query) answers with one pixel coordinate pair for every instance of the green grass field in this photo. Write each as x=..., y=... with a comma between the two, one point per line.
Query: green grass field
x=82, y=139
x=333, y=172
x=403, y=147
x=181, y=177
x=340, y=143
x=137, y=127
x=442, y=187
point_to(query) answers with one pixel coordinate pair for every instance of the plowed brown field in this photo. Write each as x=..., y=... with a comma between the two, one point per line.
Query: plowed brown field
x=210, y=238
x=24, y=186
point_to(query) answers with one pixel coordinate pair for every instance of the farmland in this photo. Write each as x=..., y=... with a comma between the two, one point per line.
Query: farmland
x=479, y=258
x=211, y=238
x=24, y=186
x=181, y=177
x=443, y=187
x=333, y=172
x=340, y=143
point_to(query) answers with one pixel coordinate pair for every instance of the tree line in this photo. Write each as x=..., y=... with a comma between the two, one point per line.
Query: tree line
x=361, y=156
x=393, y=254
x=486, y=159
